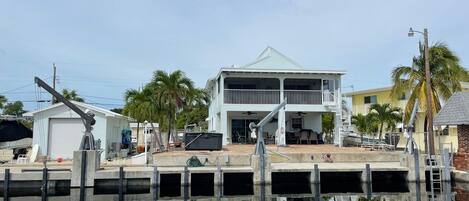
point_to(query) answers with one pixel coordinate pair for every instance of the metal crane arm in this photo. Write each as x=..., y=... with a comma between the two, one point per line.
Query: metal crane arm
x=66, y=102
x=88, y=119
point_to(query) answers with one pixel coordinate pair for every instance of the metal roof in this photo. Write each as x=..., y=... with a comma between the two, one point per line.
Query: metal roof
x=107, y=113
x=455, y=111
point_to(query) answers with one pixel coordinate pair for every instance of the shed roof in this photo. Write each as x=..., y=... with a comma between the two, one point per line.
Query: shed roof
x=106, y=112
x=455, y=111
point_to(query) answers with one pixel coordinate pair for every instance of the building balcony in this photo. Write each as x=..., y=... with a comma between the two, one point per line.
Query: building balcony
x=308, y=97
x=272, y=96
x=252, y=96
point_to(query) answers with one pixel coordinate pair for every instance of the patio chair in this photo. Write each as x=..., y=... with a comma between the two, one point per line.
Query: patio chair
x=304, y=136
x=314, y=136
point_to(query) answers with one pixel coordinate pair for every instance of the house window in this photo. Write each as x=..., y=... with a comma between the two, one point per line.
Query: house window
x=445, y=131
x=402, y=96
x=297, y=123
x=371, y=99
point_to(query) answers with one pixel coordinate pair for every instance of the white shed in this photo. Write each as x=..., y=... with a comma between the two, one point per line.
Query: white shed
x=58, y=130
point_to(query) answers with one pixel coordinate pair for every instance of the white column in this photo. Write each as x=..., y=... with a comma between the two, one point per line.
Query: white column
x=222, y=89
x=224, y=126
x=280, y=136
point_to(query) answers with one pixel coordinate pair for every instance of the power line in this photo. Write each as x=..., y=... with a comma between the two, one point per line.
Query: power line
x=21, y=87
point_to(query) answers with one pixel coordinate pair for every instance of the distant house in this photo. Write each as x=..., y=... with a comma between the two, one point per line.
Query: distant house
x=240, y=95
x=140, y=129
x=58, y=130
x=363, y=99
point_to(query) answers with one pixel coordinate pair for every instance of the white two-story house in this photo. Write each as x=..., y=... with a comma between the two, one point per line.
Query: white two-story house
x=240, y=95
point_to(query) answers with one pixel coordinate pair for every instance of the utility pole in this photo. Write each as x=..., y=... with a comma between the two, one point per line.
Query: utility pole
x=429, y=135
x=431, y=143
x=53, y=82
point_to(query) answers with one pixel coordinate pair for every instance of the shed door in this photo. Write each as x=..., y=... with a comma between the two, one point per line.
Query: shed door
x=64, y=137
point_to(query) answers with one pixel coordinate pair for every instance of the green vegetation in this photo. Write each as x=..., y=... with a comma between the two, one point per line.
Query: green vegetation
x=385, y=114
x=72, y=95
x=170, y=99
x=446, y=75
x=378, y=116
x=328, y=126
x=3, y=100
x=14, y=108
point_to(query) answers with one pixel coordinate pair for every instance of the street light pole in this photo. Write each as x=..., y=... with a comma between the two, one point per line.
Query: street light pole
x=431, y=143
x=429, y=135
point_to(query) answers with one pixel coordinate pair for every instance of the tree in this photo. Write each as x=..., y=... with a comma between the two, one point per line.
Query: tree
x=365, y=124
x=360, y=122
x=446, y=74
x=172, y=89
x=117, y=110
x=72, y=95
x=14, y=108
x=195, y=99
x=328, y=125
x=3, y=100
x=385, y=114
x=138, y=105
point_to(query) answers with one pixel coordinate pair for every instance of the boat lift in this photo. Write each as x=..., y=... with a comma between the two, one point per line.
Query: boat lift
x=256, y=129
x=87, y=142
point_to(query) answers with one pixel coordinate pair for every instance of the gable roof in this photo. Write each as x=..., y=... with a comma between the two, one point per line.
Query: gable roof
x=455, y=111
x=270, y=58
x=106, y=113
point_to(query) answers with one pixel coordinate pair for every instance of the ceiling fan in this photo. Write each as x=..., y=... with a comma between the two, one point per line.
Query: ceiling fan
x=249, y=113
x=301, y=113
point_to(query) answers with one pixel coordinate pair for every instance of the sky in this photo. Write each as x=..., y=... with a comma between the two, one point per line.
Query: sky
x=102, y=48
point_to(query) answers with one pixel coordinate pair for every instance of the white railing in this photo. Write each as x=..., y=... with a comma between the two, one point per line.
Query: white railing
x=252, y=96
x=309, y=97
x=272, y=96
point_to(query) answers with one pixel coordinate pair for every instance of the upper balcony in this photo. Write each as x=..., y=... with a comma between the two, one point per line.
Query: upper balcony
x=269, y=90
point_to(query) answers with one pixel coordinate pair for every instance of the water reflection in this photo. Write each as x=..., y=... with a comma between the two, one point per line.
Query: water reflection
x=278, y=192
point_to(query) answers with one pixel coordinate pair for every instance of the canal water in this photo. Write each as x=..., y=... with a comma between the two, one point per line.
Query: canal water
x=288, y=190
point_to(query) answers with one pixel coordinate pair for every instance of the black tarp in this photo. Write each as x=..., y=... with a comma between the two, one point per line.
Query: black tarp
x=13, y=130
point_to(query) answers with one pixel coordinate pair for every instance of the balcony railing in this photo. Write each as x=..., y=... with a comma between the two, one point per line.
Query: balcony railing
x=310, y=97
x=272, y=96
x=252, y=96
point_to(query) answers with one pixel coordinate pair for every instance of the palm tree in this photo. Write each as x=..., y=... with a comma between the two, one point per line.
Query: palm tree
x=172, y=90
x=385, y=114
x=194, y=98
x=138, y=105
x=360, y=122
x=446, y=75
x=365, y=124
x=72, y=95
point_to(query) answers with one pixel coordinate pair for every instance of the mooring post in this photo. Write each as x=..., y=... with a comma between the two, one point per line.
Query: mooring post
x=186, y=176
x=6, y=184
x=82, y=175
x=121, y=183
x=317, y=178
x=155, y=181
x=368, y=181
x=44, y=189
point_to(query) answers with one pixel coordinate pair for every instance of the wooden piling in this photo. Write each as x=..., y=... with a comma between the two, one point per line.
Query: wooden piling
x=44, y=189
x=121, y=183
x=6, y=184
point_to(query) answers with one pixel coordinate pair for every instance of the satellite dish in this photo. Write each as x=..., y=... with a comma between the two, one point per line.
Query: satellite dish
x=252, y=126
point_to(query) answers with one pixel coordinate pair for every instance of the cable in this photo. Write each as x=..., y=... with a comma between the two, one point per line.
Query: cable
x=21, y=87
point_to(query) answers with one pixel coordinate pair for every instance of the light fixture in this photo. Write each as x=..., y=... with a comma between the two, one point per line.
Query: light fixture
x=411, y=32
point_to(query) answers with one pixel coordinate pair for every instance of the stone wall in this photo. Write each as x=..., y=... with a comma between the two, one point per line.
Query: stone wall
x=461, y=158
